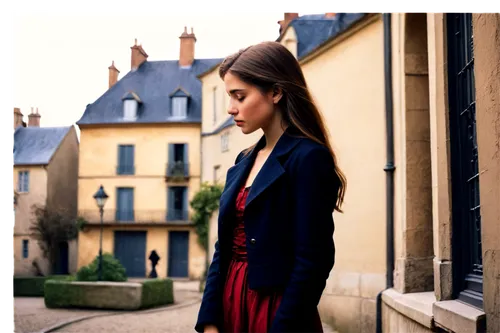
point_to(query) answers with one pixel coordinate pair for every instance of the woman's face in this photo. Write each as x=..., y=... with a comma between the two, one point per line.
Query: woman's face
x=250, y=108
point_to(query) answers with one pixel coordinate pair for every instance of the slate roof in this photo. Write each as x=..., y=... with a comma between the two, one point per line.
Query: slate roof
x=228, y=123
x=37, y=145
x=314, y=30
x=153, y=82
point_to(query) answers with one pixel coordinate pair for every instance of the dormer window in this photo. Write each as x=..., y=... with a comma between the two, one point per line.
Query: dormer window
x=131, y=103
x=179, y=107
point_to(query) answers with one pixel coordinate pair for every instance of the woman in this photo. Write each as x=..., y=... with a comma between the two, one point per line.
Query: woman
x=275, y=244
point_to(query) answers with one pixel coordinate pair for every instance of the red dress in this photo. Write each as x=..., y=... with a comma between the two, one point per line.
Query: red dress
x=246, y=310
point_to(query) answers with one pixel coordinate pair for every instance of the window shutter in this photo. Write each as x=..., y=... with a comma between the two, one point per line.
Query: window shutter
x=186, y=160
x=185, y=204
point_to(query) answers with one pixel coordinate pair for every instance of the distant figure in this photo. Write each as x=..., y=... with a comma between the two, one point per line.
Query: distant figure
x=154, y=257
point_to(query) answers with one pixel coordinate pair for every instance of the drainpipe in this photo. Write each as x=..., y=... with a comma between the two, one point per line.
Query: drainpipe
x=389, y=167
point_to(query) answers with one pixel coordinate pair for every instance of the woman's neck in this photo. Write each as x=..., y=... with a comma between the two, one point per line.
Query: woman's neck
x=273, y=132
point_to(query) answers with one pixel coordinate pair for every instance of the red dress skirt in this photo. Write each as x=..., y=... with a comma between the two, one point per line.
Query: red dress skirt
x=247, y=310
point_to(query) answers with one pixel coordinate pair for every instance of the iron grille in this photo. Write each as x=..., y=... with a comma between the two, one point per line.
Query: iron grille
x=467, y=253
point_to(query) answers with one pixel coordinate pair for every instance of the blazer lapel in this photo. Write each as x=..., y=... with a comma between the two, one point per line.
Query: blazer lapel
x=236, y=175
x=272, y=168
x=268, y=174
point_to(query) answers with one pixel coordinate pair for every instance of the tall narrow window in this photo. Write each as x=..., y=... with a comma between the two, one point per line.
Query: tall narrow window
x=216, y=173
x=224, y=141
x=466, y=217
x=125, y=160
x=178, y=159
x=23, y=182
x=214, y=99
x=25, y=248
x=125, y=204
x=177, y=203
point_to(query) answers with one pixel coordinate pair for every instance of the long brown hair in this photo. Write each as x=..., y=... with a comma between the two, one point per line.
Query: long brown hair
x=270, y=65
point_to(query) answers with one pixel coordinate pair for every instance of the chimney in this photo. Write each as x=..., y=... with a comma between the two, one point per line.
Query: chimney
x=330, y=15
x=18, y=118
x=34, y=119
x=288, y=17
x=113, y=74
x=186, y=56
x=138, y=56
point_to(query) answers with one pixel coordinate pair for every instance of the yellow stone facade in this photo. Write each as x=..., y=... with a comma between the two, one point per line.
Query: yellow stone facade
x=98, y=163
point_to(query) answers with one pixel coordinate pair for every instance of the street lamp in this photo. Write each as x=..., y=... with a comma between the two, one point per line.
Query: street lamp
x=100, y=197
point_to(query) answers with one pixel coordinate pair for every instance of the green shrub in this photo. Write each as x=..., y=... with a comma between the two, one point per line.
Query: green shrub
x=112, y=270
x=33, y=286
x=157, y=292
x=61, y=295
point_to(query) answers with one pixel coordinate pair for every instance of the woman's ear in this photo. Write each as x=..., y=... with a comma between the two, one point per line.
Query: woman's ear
x=277, y=94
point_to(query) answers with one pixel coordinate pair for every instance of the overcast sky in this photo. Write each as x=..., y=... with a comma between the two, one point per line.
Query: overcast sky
x=61, y=62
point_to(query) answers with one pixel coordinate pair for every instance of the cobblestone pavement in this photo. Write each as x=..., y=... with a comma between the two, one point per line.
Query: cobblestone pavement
x=180, y=320
x=32, y=316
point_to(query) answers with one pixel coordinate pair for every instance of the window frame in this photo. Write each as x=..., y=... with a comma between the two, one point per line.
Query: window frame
x=466, y=217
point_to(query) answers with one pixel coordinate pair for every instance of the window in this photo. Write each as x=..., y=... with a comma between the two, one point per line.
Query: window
x=216, y=173
x=130, y=109
x=179, y=107
x=224, y=141
x=214, y=98
x=178, y=159
x=466, y=218
x=125, y=160
x=177, y=203
x=23, y=181
x=25, y=248
x=124, y=204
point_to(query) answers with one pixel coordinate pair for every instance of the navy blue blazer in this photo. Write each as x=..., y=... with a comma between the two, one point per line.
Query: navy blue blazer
x=289, y=228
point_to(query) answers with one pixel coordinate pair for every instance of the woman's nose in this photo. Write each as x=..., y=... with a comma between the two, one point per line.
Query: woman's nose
x=231, y=109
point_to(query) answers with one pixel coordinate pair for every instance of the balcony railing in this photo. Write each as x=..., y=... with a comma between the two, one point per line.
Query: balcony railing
x=134, y=216
x=125, y=169
x=177, y=215
x=177, y=170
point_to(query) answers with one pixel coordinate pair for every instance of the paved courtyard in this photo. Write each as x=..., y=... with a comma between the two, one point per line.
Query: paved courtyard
x=32, y=316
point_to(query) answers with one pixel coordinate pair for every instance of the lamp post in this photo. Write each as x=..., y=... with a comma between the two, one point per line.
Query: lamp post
x=100, y=197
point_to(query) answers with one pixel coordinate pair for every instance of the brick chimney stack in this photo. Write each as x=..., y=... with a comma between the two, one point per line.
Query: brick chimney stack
x=34, y=119
x=113, y=74
x=18, y=118
x=139, y=56
x=186, y=55
x=330, y=13
x=288, y=17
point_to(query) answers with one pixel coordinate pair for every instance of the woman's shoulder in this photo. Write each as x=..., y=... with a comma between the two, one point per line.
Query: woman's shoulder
x=307, y=148
x=309, y=156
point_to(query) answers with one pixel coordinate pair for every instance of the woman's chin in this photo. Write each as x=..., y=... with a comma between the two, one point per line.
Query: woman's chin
x=246, y=130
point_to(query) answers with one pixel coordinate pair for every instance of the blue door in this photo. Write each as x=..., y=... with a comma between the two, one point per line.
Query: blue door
x=130, y=250
x=178, y=249
x=62, y=262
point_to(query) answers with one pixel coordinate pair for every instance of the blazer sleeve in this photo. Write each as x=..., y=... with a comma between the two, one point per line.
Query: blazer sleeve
x=211, y=304
x=315, y=186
